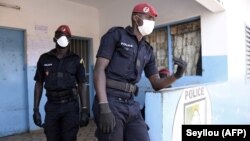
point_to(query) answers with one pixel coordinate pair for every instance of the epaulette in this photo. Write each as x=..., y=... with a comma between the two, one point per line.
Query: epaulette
x=148, y=44
x=115, y=28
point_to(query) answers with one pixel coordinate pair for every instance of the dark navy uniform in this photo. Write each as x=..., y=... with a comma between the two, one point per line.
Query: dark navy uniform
x=62, y=108
x=128, y=59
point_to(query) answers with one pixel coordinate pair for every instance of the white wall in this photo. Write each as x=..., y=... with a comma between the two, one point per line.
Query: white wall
x=222, y=34
x=40, y=18
x=213, y=34
x=238, y=15
x=119, y=13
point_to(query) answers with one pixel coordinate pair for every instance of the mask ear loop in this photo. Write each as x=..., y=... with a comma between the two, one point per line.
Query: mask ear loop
x=140, y=19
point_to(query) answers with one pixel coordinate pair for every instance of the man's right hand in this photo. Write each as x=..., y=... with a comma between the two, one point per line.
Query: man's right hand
x=37, y=117
x=106, y=119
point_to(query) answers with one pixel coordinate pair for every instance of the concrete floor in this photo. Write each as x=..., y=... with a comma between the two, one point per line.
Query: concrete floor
x=84, y=134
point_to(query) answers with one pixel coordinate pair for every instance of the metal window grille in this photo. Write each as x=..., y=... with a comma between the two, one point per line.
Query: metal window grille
x=185, y=41
x=187, y=45
x=81, y=46
x=158, y=40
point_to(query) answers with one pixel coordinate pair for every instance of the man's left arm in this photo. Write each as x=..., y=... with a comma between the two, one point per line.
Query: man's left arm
x=153, y=74
x=159, y=83
x=82, y=91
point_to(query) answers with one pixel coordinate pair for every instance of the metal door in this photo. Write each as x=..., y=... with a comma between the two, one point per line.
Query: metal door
x=13, y=96
x=82, y=47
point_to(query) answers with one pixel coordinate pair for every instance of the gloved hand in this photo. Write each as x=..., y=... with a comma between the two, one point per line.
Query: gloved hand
x=84, y=117
x=106, y=119
x=182, y=65
x=37, y=117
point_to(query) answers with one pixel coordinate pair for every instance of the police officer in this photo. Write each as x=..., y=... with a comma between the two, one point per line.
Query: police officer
x=63, y=75
x=122, y=56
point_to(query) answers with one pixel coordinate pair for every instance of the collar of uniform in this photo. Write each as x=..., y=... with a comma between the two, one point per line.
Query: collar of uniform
x=129, y=29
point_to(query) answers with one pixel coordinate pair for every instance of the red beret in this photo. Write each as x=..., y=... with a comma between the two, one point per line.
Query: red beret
x=164, y=71
x=64, y=29
x=146, y=9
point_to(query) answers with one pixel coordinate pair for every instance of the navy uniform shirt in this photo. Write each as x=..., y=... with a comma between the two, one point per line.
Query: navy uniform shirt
x=59, y=74
x=128, y=57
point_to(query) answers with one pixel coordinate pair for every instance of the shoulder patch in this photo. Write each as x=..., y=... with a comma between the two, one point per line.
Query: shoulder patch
x=82, y=61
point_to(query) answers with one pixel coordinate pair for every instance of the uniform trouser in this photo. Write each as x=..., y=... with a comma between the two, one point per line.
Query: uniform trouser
x=61, y=121
x=130, y=126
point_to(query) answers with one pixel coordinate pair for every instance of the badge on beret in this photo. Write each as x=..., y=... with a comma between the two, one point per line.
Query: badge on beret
x=146, y=9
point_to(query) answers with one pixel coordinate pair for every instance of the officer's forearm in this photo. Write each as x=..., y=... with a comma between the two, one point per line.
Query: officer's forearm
x=38, y=94
x=100, y=86
x=160, y=83
x=82, y=94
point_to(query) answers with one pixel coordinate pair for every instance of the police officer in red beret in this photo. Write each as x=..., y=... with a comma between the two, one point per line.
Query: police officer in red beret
x=122, y=57
x=62, y=74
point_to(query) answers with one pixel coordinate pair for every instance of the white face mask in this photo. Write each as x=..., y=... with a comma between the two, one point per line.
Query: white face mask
x=63, y=41
x=147, y=27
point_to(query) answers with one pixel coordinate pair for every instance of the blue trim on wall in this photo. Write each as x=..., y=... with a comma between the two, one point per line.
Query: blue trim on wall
x=214, y=69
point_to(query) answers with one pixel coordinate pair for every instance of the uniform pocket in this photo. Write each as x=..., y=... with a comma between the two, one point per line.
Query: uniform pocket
x=125, y=52
x=122, y=61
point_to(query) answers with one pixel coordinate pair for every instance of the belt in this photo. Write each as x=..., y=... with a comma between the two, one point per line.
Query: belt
x=126, y=87
x=62, y=100
x=61, y=96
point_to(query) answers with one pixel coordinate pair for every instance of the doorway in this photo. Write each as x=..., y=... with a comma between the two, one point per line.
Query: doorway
x=82, y=47
x=13, y=94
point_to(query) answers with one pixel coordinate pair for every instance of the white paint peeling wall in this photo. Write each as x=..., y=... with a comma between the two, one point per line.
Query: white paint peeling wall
x=40, y=18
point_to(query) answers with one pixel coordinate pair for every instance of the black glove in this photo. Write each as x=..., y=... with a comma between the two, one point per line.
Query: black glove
x=182, y=65
x=84, y=117
x=106, y=119
x=37, y=117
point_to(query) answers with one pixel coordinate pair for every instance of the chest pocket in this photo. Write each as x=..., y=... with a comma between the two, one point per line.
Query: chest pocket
x=125, y=52
x=122, y=62
x=60, y=77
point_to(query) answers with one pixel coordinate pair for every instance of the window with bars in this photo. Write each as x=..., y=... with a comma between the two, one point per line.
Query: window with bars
x=247, y=53
x=159, y=41
x=182, y=40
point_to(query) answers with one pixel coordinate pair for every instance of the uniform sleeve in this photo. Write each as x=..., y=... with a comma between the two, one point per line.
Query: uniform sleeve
x=80, y=74
x=150, y=68
x=39, y=76
x=108, y=44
